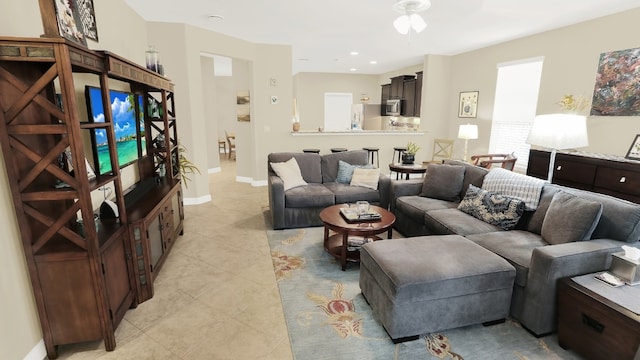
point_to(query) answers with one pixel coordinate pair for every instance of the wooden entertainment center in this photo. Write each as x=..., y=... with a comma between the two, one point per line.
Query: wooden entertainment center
x=86, y=274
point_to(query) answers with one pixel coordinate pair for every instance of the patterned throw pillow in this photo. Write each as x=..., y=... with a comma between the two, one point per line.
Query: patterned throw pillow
x=493, y=208
x=345, y=171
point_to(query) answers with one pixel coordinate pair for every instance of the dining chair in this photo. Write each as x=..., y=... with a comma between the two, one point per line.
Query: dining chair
x=231, y=140
x=505, y=161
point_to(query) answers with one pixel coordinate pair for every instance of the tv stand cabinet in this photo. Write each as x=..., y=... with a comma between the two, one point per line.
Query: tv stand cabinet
x=85, y=275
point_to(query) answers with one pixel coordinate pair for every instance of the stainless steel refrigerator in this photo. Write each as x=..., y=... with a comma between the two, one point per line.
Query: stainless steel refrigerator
x=365, y=117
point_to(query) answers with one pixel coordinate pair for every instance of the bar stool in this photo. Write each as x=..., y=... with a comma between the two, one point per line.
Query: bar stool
x=336, y=150
x=311, y=151
x=399, y=150
x=371, y=153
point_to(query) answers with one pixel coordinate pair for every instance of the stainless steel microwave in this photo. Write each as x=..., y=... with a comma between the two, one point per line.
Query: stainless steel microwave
x=393, y=107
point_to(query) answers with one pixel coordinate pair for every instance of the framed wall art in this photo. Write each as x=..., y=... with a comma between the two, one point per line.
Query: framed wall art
x=616, y=89
x=634, y=150
x=69, y=23
x=88, y=19
x=468, y=104
x=244, y=105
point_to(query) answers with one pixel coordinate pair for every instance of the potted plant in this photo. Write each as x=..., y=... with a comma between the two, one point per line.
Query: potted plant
x=186, y=166
x=409, y=155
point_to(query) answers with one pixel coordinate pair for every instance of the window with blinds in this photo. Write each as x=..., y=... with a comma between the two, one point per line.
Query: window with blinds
x=514, y=108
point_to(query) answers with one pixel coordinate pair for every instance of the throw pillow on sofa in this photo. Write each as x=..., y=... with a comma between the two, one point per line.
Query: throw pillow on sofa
x=570, y=218
x=443, y=182
x=493, y=208
x=345, y=171
x=366, y=177
x=289, y=172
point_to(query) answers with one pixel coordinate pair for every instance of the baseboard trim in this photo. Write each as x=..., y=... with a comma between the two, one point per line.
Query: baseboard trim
x=214, y=170
x=39, y=352
x=196, y=201
x=258, y=183
x=244, y=179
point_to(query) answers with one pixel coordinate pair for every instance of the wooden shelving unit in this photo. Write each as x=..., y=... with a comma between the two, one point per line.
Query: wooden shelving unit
x=85, y=275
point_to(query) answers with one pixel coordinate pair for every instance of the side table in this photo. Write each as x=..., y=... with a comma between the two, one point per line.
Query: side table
x=407, y=169
x=593, y=324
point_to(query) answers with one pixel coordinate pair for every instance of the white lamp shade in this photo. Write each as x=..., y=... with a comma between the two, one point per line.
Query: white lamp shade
x=559, y=131
x=402, y=24
x=468, y=132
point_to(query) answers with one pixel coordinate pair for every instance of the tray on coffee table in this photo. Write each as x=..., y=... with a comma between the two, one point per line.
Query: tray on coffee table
x=351, y=216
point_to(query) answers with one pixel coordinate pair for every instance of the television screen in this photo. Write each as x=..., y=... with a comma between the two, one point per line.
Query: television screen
x=129, y=133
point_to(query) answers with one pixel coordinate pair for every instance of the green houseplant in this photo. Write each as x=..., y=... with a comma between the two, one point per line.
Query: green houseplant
x=186, y=166
x=409, y=155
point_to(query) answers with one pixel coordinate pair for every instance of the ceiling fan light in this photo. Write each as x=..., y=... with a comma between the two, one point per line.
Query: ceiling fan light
x=402, y=24
x=417, y=23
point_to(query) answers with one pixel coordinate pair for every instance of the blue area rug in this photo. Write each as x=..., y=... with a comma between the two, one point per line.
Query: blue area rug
x=327, y=317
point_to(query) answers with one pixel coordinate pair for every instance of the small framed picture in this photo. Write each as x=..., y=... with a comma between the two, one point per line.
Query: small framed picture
x=468, y=104
x=634, y=150
x=69, y=23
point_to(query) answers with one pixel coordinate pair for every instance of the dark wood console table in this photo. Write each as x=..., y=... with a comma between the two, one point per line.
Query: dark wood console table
x=594, y=325
x=605, y=174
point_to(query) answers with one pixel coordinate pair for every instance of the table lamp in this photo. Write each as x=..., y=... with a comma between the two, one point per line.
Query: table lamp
x=558, y=132
x=467, y=132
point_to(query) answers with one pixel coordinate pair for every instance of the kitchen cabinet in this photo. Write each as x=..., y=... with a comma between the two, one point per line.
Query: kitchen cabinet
x=397, y=86
x=606, y=174
x=386, y=95
x=409, y=96
x=418, y=96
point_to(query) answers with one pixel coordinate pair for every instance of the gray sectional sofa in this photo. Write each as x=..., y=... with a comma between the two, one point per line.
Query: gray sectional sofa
x=538, y=263
x=301, y=206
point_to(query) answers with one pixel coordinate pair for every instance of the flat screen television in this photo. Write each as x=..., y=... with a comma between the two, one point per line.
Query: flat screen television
x=128, y=124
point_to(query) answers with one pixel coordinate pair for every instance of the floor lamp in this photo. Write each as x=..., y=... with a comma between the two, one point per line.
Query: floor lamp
x=558, y=132
x=467, y=132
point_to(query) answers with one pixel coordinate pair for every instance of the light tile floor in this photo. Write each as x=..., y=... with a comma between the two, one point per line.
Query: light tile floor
x=216, y=296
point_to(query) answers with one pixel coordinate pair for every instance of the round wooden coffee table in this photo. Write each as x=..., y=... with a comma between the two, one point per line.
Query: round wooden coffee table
x=337, y=243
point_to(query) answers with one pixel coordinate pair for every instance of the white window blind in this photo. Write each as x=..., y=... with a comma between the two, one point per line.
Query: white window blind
x=514, y=109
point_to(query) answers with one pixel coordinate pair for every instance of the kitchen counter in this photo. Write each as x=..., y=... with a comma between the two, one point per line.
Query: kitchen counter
x=356, y=132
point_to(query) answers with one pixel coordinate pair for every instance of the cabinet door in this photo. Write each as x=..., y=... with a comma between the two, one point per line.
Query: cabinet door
x=409, y=91
x=115, y=266
x=154, y=236
x=178, y=211
x=386, y=95
x=397, y=84
x=418, y=96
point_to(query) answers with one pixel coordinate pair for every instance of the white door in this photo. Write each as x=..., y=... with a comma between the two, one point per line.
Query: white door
x=337, y=111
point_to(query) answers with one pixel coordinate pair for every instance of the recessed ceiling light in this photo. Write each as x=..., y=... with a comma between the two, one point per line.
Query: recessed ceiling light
x=354, y=53
x=353, y=69
x=216, y=17
x=373, y=62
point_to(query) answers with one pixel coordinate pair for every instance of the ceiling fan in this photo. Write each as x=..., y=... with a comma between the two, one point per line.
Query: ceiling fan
x=410, y=19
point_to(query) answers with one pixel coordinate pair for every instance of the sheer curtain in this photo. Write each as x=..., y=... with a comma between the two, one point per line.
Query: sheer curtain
x=514, y=108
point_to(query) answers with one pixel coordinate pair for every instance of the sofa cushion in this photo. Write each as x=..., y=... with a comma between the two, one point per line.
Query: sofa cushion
x=311, y=195
x=309, y=164
x=366, y=178
x=442, y=181
x=345, y=171
x=493, y=208
x=473, y=175
x=329, y=162
x=516, y=246
x=345, y=194
x=289, y=172
x=570, y=218
x=532, y=220
x=414, y=207
x=454, y=221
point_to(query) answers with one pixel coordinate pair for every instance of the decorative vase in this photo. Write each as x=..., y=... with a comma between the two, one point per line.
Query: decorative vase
x=296, y=126
x=408, y=159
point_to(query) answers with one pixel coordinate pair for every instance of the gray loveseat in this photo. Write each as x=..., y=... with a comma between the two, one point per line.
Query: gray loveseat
x=301, y=206
x=538, y=264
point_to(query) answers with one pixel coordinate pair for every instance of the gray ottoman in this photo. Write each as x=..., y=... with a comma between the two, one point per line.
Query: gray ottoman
x=426, y=284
